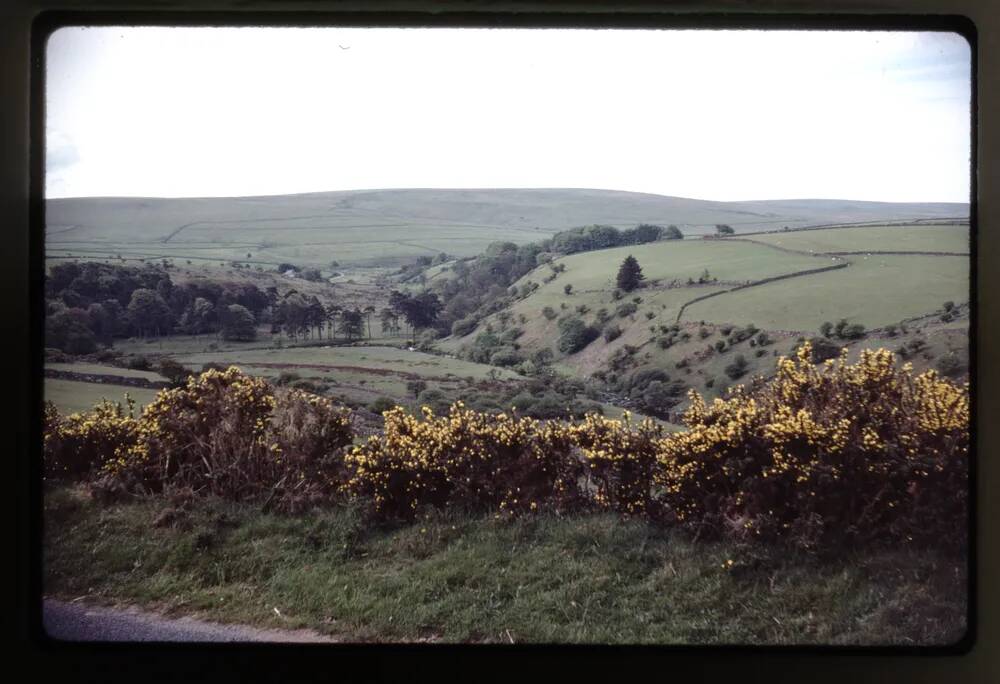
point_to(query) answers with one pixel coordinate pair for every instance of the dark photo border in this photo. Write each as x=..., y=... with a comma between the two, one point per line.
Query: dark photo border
x=400, y=660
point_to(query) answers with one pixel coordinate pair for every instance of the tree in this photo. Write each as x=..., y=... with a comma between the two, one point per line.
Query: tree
x=199, y=317
x=576, y=335
x=659, y=396
x=738, y=368
x=542, y=357
x=568, y=288
x=464, y=326
x=629, y=274
x=331, y=311
x=316, y=315
x=826, y=328
x=295, y=313
x=854, y=331
x=420, y=311
x=823, y=349
x=68, y=330
x=721, y=229
x=643, y=233
x=389, y=320
x=416, y=386
x=238, y=324
x=100, y=323
x=116, y=314
x=148, y=312
x=672, y=232
x=173, y=371
x=352, y=324
x=368, y=311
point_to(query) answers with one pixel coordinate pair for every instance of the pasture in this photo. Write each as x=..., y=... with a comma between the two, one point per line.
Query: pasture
x=101, y=369
x=388, y=359
x=673, y=260
x=874, y=291
x=72, y=396
x=921, y=238
x=356, y=374
x=313, y=245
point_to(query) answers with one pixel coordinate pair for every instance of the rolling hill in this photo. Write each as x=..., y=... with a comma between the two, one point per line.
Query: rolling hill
x=898, y=282
x=375, y=227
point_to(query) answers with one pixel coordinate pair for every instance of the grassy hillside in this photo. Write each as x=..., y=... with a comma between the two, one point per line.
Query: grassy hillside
x=663, y=326
x=387, y=226
x=671, y=263
x=455, y=578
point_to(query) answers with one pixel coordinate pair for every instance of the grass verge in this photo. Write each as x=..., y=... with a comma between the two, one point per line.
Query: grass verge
x=456, y=578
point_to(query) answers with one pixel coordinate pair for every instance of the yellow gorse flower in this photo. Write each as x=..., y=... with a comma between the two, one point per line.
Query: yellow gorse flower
x=760, y=458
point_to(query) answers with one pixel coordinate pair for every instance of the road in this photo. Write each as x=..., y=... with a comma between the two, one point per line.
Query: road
x=79, y=622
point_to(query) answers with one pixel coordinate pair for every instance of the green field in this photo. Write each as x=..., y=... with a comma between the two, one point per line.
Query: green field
x=672, y=260
x=210, y=343
x=389, y=359
x=71, y=396
x=873, y=291
x=357, y=374
x=99, y=369
x=190, y=344
x=318, y=245
x=922, y=238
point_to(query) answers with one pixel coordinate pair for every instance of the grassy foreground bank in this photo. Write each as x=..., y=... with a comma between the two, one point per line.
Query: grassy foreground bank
x=583, y=579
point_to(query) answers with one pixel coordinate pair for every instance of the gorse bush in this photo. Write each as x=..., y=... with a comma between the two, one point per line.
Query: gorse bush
x=76, y=445
x=840, y=453
x=620, y=458
x=465, y=459
x=818, y=456
x=223, y=433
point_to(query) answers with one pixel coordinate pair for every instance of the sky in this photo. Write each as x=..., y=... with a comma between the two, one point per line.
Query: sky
x=718, y=115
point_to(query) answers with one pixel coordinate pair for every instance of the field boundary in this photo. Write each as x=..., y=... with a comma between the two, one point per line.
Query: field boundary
x=897, y=253
x=100, y=379
x=902, y=223
x=786, y=250
x=763, y=281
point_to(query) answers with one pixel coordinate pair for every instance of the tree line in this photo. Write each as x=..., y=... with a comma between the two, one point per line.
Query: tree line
x=92, y=304
x=481, y=285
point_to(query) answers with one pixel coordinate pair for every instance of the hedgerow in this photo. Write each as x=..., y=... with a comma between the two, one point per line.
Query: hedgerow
x=465, y=459
x=818, y=456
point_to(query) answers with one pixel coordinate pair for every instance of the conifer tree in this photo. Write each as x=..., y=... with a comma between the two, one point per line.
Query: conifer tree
x=629, y=274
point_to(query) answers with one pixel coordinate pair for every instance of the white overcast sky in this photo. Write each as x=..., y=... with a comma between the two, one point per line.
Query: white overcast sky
x=722, y=115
